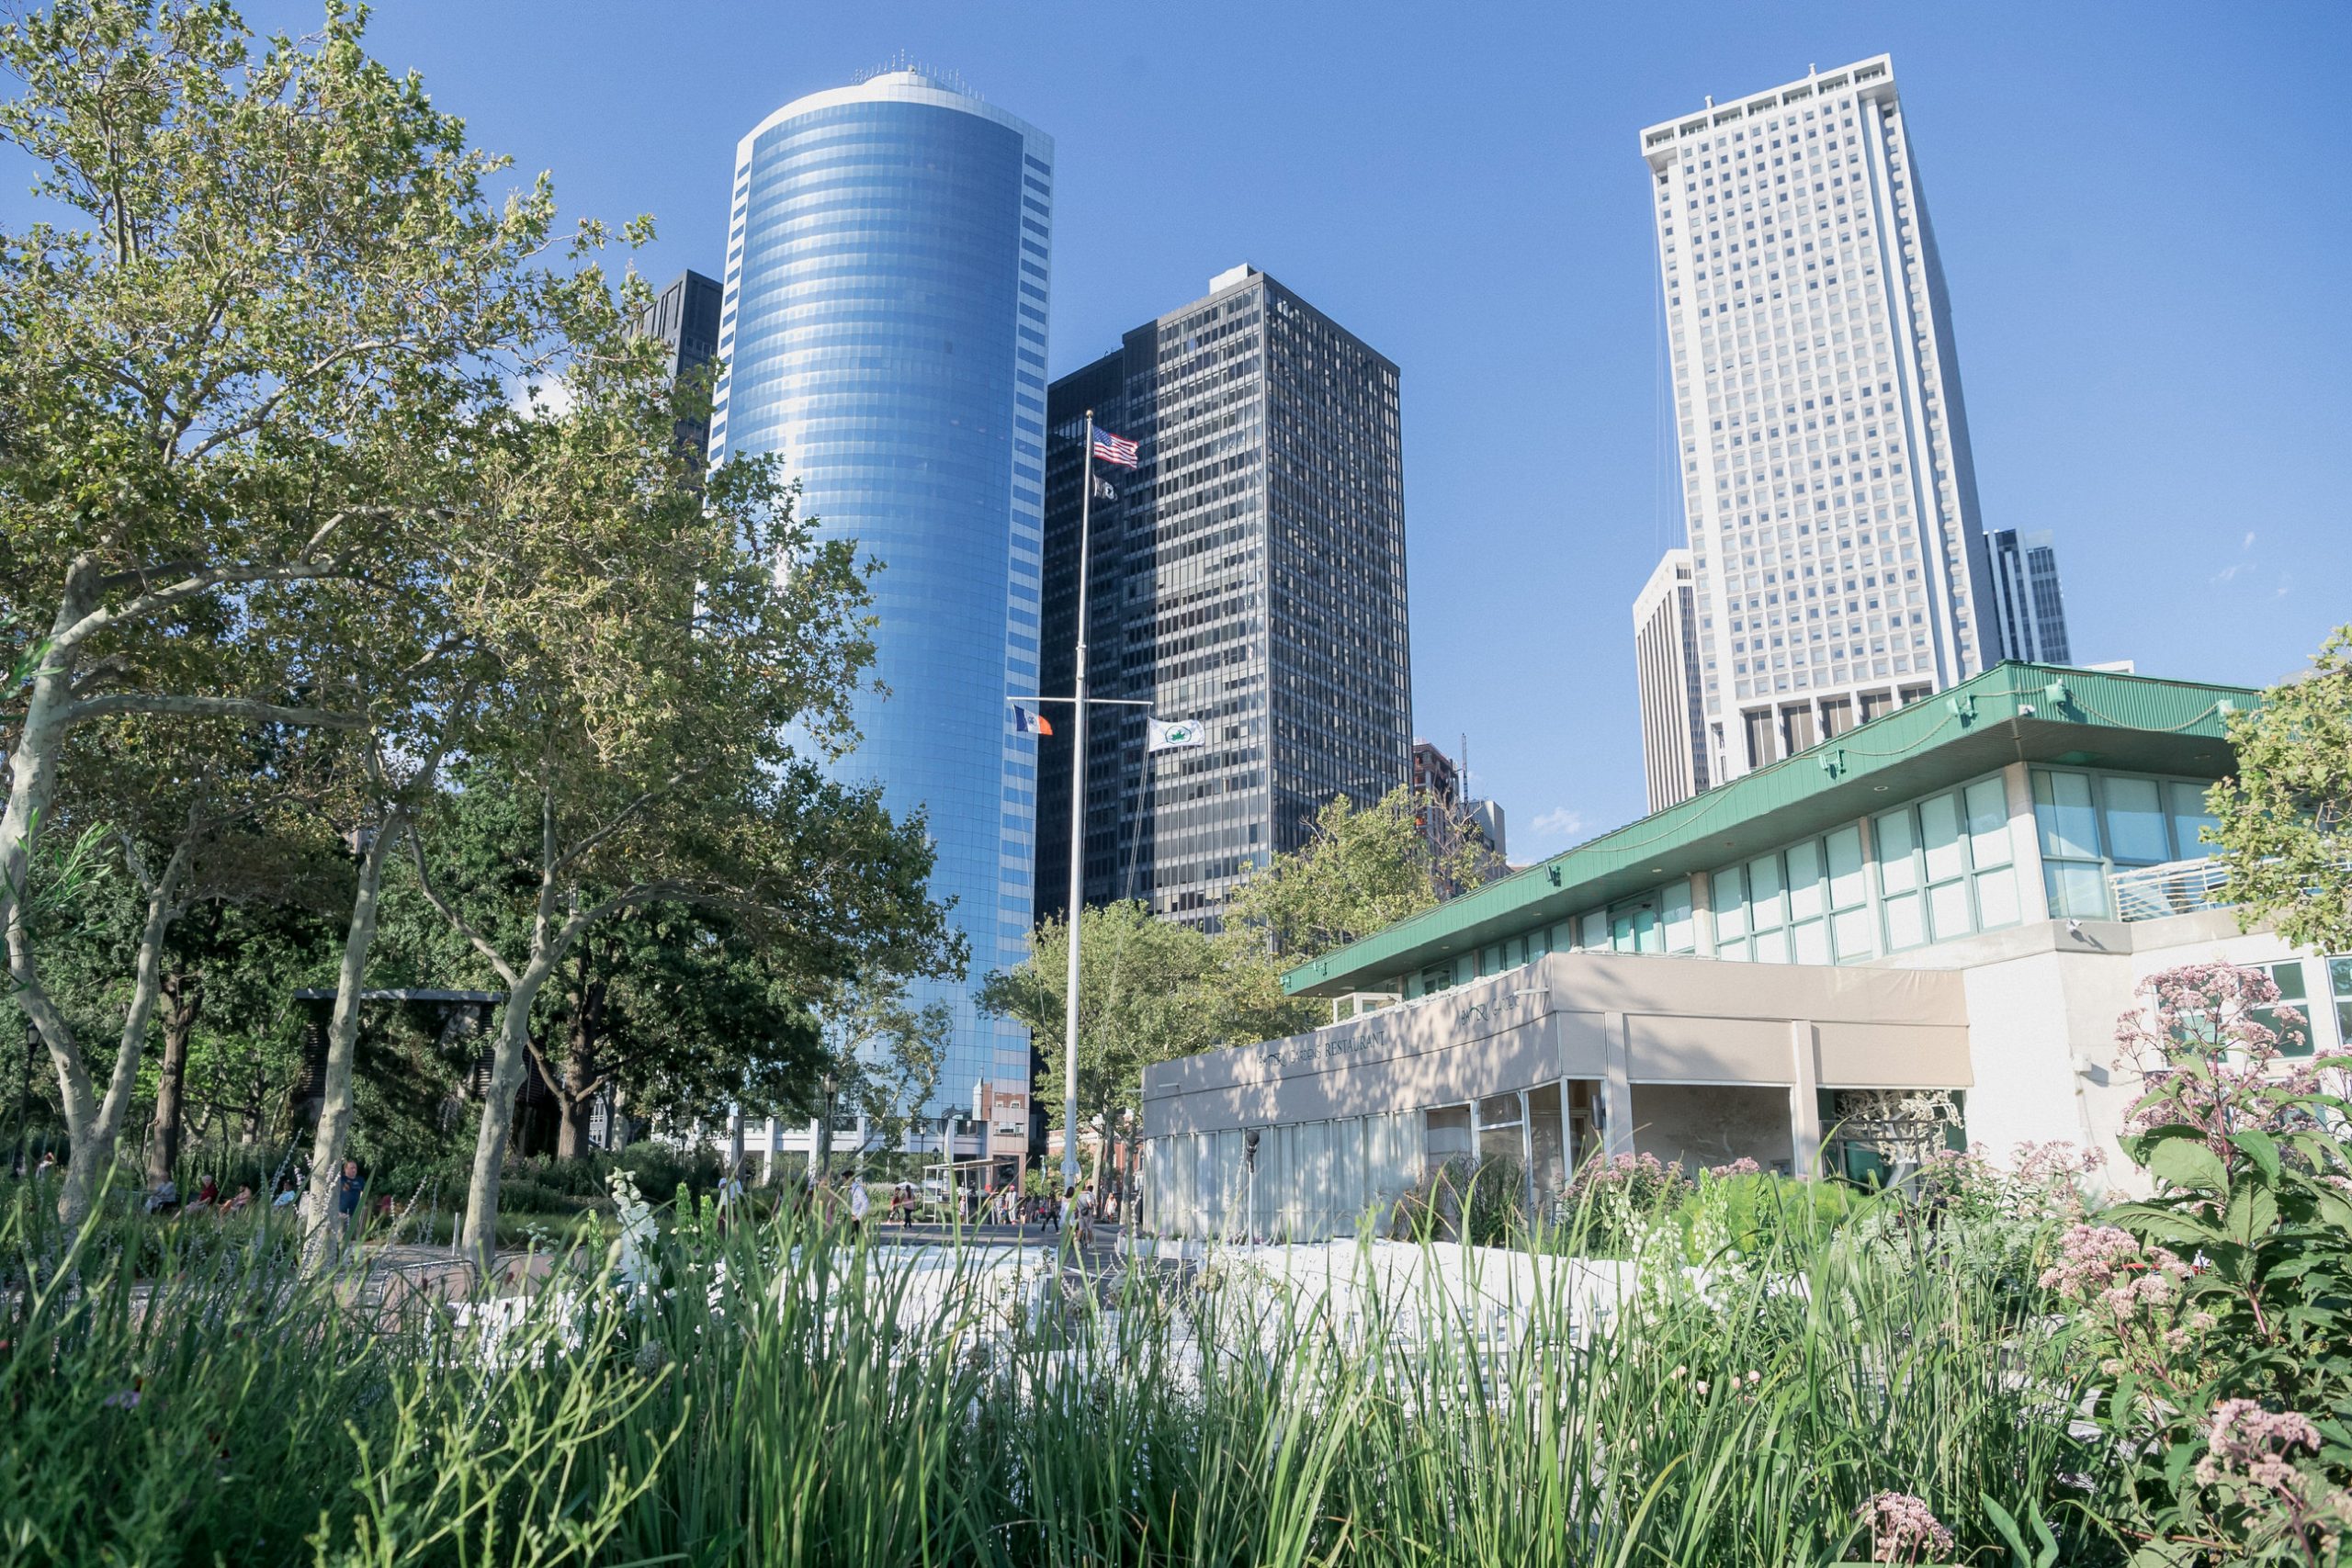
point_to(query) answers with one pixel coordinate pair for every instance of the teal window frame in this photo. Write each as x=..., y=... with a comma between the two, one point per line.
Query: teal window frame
x=2065, y=869
x=1956, y=849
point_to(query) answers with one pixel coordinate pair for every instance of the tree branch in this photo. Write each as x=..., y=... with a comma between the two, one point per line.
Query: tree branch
x=188, y=588
x=211, y=708
x=457, y=921
x=629, y=813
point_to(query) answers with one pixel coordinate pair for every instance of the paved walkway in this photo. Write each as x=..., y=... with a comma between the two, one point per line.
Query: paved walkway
x=408, y=1274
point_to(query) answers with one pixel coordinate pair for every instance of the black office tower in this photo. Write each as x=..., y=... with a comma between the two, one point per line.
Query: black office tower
x=684, y=317
x=1250, y=575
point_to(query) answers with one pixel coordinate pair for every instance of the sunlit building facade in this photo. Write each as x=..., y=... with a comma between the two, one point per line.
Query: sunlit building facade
x=884, y=332
x=1249, y=574
x=1837, y=560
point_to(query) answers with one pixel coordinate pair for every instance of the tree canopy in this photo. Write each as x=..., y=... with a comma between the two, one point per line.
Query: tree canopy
x=2286, y=817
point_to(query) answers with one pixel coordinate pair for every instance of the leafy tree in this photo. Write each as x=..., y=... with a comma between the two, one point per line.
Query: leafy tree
x=1362, y=869
x=647, y=653
x=882, y=1054
x=235, y=967
x=674, y=1009
x=195, y=815
x=253, y=364
x=2286, y=819
x=1150, y=991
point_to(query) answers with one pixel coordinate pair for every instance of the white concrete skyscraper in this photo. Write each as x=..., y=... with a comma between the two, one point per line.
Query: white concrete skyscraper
x=1837, y=563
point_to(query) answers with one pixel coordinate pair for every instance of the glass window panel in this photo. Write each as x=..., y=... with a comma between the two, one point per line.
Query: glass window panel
x=1736, y=949
x=2294, y=1038
x=1939, y=833
x=1771, y=947
x=2135, y=821
x=1847, y=890
x=1894, y=838
x=1996, y=898
x=2076, y=889
x=1905, y=925
x=1764, y=891
x=2062, y=810
x=1947, y=909
x=1648, y=937
x=1804, y=881
x=2186, y=803
x=2339, y=971
x=1988, y=823
x=1812, y=942
x=1681, y=932
x=1596, y=930
x=1851, y=930
x=1727, y=893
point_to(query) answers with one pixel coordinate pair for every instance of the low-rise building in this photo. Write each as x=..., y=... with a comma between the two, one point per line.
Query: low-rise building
x=1947, y=907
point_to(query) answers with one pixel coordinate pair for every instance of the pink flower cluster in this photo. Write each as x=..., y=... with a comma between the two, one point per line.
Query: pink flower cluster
x=1642, y=1177
x=2133, y=1289
x=1904, y=1530
x=2248, y=1443
x=1740, y=1166
x=1628, y=1169
x=2038, y=1181
x=2200, y=1016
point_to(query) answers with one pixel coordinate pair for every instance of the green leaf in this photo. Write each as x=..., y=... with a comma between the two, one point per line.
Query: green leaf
x=2253, y=1213
x=2006, y=1524
x=2257, y=1146
x=2185, y=1163
x=2335, y=1208
x=2150, y=1221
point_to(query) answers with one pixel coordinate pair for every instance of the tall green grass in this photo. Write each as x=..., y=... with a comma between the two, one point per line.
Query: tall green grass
x=786, y=1395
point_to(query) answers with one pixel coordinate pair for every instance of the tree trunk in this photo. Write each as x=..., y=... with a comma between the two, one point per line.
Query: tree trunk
x=576, y=1084
x=32, y=769
x=509, y=1062
x=183, y=997
x=322, y=1235
x=32, y=784
x=91, y=1129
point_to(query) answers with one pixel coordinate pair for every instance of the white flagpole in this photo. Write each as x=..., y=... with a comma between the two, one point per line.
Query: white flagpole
x=1077, y=826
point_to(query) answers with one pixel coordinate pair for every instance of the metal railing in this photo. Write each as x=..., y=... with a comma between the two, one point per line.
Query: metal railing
x=2176, y=888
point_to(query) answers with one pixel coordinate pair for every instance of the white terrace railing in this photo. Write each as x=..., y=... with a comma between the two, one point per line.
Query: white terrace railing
x=2176, y=888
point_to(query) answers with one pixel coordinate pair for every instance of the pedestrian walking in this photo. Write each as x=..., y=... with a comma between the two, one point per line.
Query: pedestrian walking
x=859, y=1203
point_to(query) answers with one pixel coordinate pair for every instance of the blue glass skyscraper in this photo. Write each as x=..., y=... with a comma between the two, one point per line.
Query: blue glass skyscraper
x=884, y=334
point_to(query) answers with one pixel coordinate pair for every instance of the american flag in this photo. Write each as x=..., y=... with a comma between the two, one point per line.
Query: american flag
x=1115, y=449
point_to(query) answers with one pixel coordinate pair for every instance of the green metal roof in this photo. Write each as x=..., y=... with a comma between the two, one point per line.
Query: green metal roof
x=2036, y=712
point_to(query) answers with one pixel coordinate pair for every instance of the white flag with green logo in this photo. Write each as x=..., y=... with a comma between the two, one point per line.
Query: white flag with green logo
x=1174, y=734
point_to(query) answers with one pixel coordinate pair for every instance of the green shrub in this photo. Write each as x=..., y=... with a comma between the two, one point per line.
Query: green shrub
x=1758, y=1217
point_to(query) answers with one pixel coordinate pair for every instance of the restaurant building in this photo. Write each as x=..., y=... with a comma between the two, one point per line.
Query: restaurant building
x=1941, y=912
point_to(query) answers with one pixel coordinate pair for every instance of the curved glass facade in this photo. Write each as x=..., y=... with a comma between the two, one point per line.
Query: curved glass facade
x=884, y=332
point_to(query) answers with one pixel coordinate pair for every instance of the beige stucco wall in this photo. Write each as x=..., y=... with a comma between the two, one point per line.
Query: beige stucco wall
x=1690, y=1058
x=1670, y=1020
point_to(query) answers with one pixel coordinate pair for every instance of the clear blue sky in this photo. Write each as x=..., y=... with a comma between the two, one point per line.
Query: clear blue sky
x=2143, y=210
